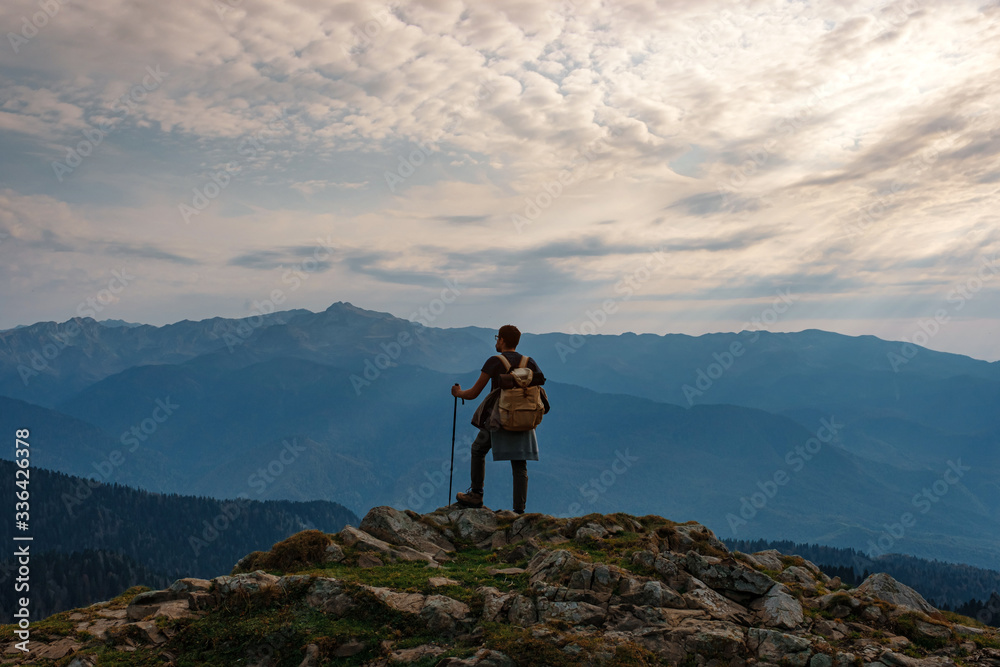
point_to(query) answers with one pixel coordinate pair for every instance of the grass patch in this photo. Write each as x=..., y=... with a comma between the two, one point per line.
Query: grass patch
x=906, y=625
x=302, y=550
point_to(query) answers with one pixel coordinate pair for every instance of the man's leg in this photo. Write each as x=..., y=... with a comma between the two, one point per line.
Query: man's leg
x=480, y=447
x=520, y=471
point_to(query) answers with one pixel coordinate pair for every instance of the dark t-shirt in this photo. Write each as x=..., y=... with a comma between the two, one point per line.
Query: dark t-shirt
x=494, y=367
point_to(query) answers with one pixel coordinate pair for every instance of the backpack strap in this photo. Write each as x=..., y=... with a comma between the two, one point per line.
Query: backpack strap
x=504, y=360
x=524, y=361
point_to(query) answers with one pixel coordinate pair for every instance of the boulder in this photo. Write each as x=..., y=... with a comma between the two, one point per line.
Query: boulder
x=408, y=603
x=594, y=531
x=496, y=605
x=892, y=659
x=574, y=613
x=523, y=611
x=333, y=553
x=776, y=646
x=687, y=536
x=887, y=589
x=551, y=565
x=245, y=582
x=398, y=528
x=417, y=653
x=717, y=606
x=651, y=593
x=712, y=639
x=362, y=541
x=778, y=609
x=730, y=577
x=311, y=658
x=442, y=613
x=483, y=658
x=768, y=560
x=796, y=574
x=474, y=523
x=327, y=595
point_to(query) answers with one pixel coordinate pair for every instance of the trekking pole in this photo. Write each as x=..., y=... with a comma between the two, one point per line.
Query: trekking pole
x=454, y=418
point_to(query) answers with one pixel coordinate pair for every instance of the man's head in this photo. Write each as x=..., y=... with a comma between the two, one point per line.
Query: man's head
x=508, y=337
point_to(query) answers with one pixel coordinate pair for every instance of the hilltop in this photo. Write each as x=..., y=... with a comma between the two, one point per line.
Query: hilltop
x=478, y=587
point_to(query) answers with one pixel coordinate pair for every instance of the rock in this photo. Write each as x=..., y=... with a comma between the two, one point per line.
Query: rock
x=712, y=639
x=348, y=649
x=437, y=582
x=574, y=613
x=311, y=658
x=652, y=593
x=776, y=646
x=717, y=606
x=523, y=611
x=474, y=524
x=416, y=653
x=175, y=609
x=150, y=633
x=182, y=587
x=547, y=565
x=409, y=603
x=506, y=571
x=768, y=560
x=60, y=648
x=887, y=589
x=892, y=659
x=442, y=613
x=245, y=582
x=799, y=575
x=333, y=554
x=830, y=629
x=362, y=541
x=729, y=576
x=687, y=536
x=483, y=658
x=821, y=660
x=369, y=560
x=591, y=530
x=778, y=609
x=327, y=595
x=926, y=630
x=395, y=527
x=495, y=604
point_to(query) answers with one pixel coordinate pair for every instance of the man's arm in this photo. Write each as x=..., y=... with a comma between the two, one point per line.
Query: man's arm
x=473, y=391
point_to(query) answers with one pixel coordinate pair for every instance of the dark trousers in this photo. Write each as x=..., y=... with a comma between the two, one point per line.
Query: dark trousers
x=480, y=447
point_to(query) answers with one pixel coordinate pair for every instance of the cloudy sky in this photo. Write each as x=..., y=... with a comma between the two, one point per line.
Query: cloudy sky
x=665, y=166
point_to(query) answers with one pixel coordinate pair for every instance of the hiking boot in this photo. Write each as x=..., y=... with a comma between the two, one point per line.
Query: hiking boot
x=471, y=498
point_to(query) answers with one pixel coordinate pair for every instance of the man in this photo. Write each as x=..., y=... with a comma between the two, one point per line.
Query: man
x=516, y=447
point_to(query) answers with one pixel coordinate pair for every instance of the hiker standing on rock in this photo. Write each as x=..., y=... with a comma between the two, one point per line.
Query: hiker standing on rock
x=506, y=418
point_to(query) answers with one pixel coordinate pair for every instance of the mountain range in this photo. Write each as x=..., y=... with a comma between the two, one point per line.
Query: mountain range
x=814, y=437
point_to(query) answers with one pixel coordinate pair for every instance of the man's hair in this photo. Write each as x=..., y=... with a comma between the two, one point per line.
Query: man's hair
x=510, y=335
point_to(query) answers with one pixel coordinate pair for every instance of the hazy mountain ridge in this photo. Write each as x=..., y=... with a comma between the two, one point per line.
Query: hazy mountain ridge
x=240, y=398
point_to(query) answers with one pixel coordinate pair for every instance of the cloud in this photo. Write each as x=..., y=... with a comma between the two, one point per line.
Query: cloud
x=809, y=118
x=147, y=251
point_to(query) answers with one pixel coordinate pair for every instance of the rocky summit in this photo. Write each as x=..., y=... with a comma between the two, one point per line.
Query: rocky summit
x=470, y=586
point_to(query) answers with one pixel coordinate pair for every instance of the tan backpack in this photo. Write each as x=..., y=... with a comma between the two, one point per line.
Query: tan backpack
x=520, y=408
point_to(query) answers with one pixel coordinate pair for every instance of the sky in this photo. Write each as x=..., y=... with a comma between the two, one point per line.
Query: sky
x=583, y=166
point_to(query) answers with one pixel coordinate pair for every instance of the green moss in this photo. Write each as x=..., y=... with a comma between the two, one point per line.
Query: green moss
x=123, y=600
